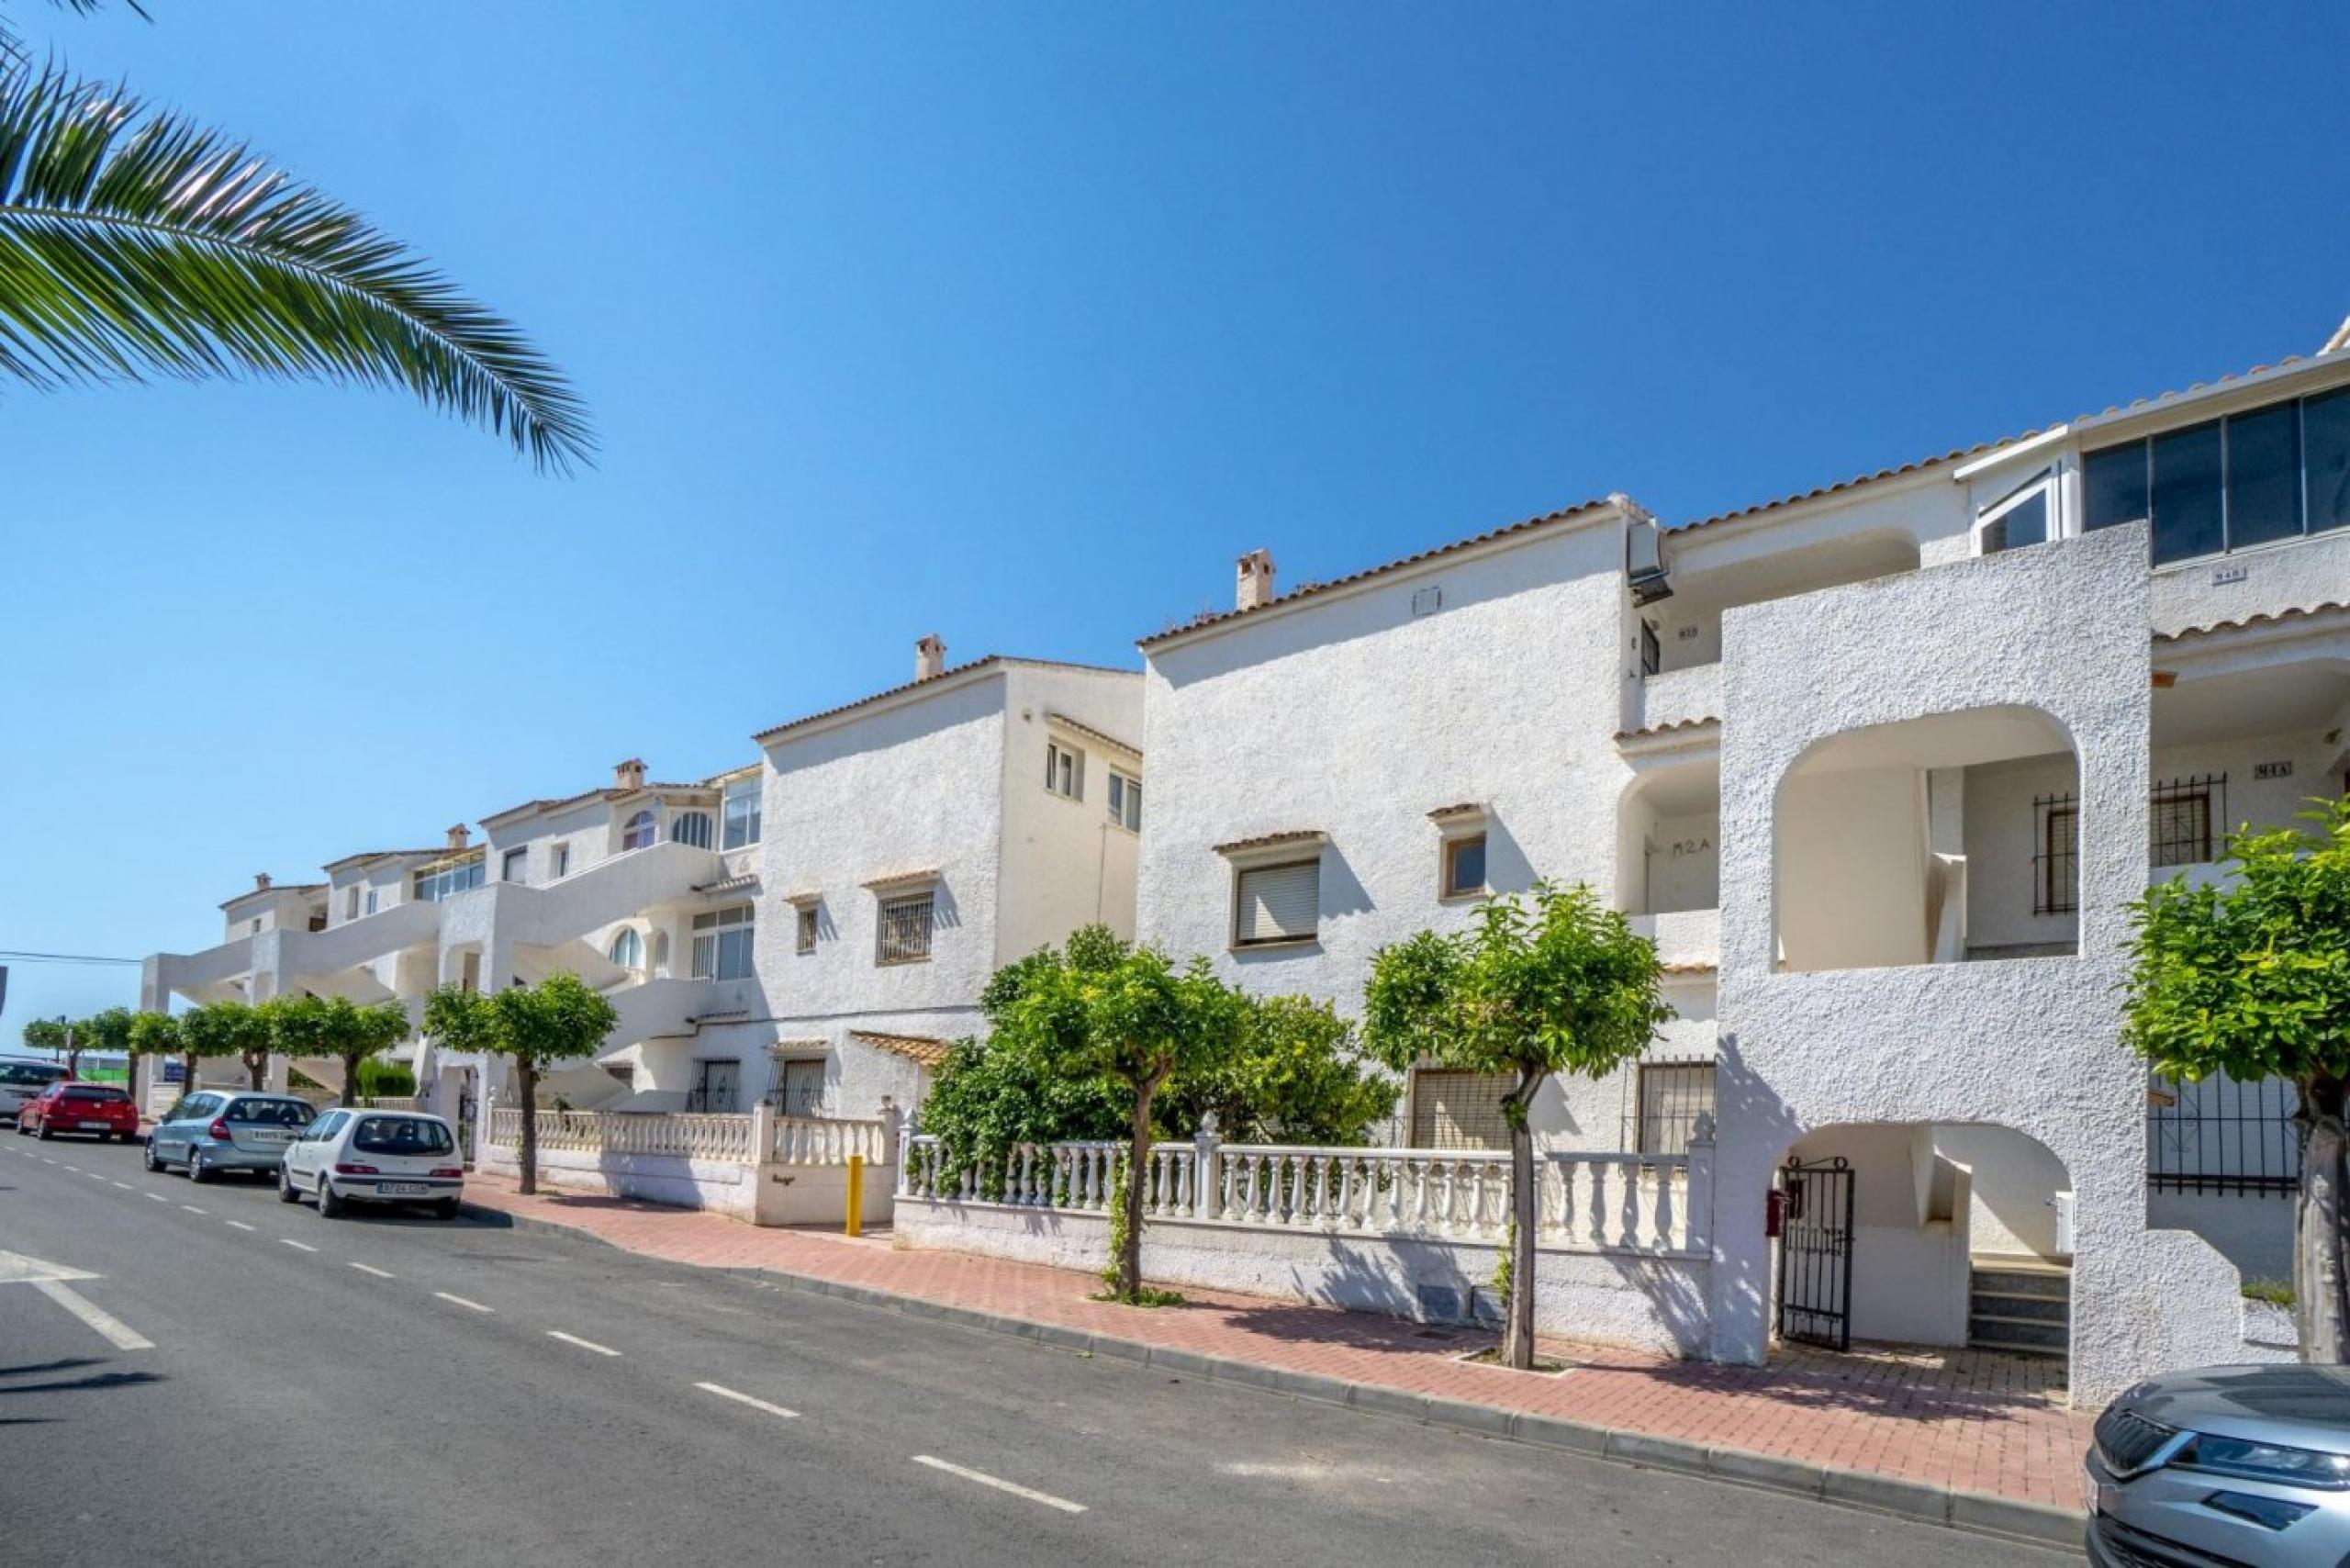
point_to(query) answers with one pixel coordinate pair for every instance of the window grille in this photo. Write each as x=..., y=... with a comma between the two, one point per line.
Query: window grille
x=2220, y=1135
x=905, y=929
x=690, y=828
x=2056, y=859
x=1460, y=1110
x=2182, y=813
x=1669, y=1096
x=804, y=935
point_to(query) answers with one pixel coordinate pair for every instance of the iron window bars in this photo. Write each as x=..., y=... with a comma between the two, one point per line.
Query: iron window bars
x=2183, y=830
x=2222, y=1135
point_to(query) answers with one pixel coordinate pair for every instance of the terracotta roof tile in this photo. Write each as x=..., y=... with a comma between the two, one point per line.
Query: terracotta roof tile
x=924, y=1049
x=2264, y=618
x=984, y=662
x=1654, y=730
x=1267, y=840
x=1082, y=728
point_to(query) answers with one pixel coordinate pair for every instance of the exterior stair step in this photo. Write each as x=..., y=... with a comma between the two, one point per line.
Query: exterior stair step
x=1981, y=1303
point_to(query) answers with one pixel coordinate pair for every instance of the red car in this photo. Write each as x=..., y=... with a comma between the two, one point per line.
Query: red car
x=99, y=1109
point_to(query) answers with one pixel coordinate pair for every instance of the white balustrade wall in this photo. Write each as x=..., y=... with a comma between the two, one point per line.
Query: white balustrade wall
x=819, y=1140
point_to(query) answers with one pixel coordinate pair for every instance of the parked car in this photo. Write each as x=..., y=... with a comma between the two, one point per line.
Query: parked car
x=388, y=1157
x=214, y=1130
x=22, y=1078
x=82, y=1109
x=2242, y=1464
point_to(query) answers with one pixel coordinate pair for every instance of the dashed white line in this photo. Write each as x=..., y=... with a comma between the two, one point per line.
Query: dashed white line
x=108, y=1327
x=124, y=1185
x=159, y=1197
x=75, y=1168
x=461, y=1301
x=193, y=1210
x=725, y=1393
x=379, y=1273
x=298, y=1246
x=241, y=1225
x=583, y=1344
x=98, y=1176
x=1063, y=1503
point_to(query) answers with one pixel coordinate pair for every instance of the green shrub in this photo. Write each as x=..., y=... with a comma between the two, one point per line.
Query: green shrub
x=2276, y=1292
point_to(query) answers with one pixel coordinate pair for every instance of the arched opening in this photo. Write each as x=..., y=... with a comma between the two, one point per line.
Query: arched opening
x=640, y=831
x=628, y=948
x=690, y=828
x=1937, y=840
x=1945, y=1234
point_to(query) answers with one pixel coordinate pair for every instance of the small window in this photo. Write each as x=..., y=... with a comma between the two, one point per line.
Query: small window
x=1464, y=867
x=722, y=944
x=628, y=948
x=800, y=1089
x=447, y=882
x=1460, y=1110
x=1125, y=802
x=1652, y=651
x=2056, y=875
x=351, y=902
x=805, y=941
x=1064, y=771
x=690, y=828
x=2022, y=517
x=2181, y=812
x=739, y=814
x=256, y=925
x=1277, y=903
x=515, y=866
x=905, y=929
x=371, y=901
x=559, y=866
x=640, y=831
x=1673, y=1095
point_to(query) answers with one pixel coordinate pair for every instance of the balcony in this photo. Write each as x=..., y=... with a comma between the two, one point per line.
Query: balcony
x=1676, y=699
x=595, y=896
x=1686, y=939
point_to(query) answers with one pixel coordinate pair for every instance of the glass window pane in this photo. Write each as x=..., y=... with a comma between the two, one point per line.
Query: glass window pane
x=2264, y=477
x=1468, y=866
x=2186, y=493
x=2325, y=428
x=2113, y=483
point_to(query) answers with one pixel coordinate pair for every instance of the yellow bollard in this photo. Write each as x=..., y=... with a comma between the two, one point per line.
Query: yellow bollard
x=855, y=1194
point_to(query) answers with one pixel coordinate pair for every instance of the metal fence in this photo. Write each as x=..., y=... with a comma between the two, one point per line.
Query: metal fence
x=2219, y=1135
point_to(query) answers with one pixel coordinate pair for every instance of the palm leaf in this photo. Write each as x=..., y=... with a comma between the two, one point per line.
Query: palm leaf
x=136, y=243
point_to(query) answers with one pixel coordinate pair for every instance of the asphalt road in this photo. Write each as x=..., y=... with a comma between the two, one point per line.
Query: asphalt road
x=240, y=1382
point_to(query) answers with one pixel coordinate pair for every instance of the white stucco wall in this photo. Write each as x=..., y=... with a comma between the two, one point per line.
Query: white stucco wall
x=1064, y=863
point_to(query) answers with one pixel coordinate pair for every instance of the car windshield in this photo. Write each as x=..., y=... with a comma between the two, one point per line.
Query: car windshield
x=95, y=1092
x=270, y=1112
x=30, y=1073
x=400, y=1135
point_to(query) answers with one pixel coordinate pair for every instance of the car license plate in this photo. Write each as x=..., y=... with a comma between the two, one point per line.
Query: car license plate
x=264, y=1135
x=403, y=1189
x=98, y=1126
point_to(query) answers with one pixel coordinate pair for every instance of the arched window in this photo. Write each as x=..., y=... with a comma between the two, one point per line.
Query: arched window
x=628, y=948
x=690, y=827
x=639, y=830
x=660, y=955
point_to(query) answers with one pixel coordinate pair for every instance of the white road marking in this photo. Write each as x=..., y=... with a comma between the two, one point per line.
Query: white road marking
x=98, y=1176
x=105, y=1324
x=159, y=1197
x=583, y=1344
x=724, y=1393
x=302, y=1245
x=241, y=1225
x=193, y=1210
x=124, y=1185
x=379, y=1273
x=75, y=1168
x=461, y=1301
x=1063, y=1503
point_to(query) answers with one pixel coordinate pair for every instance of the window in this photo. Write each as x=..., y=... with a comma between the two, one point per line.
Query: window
x=1672, y=1096
x=2229, y=484
x=2181, y=820
x=2022, y=517
x=1125, y=802
x=716, y=1085
x=800, y=1091
x=515, y=866
x=1464, y=865
x=661, y=955
x=804, y=940
x=256, y=924
x=410, y=1135
x=905, y=929
x=446, y=881
x=350, y=902
x=690, y=827
x=559, y=865
x=1277, y=903
x=1652, y=651
x=2056, y=863
x=640, y=831
x=739, y=814
x=1064, y=771
x=722, y=944
x=372, y=894
x=1460, y=1110
x=628, y=948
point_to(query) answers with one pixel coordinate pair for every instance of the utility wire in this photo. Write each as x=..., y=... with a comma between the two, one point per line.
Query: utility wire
x=64, y=957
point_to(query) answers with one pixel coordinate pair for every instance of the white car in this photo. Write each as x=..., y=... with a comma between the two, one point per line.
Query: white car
x=376, y=1157
x=22, y=1078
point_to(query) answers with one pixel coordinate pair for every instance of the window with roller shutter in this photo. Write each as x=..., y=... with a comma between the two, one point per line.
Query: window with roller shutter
x=1277, y=903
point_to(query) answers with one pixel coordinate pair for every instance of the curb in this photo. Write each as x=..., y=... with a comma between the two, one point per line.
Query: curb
x=1976, y=1513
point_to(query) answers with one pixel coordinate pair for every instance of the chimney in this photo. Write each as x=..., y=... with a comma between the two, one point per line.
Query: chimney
x=629, y=775
x=1255, y=584
x=457, y=836
x=930, y=658
x=260, y=881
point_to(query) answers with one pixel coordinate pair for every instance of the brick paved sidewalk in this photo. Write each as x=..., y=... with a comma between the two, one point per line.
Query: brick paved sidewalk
x=1967, y=1421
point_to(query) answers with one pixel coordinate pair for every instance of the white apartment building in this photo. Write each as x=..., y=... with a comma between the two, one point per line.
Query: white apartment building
x=1879, y=767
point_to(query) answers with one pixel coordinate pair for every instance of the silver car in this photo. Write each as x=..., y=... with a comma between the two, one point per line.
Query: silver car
x=214, y=1130
x=2247, y=1465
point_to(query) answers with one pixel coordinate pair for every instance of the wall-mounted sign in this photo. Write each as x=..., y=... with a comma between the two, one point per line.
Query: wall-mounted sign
x=2272, y=771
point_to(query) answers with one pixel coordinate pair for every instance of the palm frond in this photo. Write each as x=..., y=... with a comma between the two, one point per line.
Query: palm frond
x=134, y=243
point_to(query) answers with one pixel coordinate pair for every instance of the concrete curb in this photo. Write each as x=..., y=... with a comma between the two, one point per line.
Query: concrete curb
x=1977, y=1513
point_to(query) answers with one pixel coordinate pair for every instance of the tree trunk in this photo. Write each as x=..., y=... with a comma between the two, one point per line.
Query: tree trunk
x=349, y=1081
x=2321, y=1306
x=187, y=1073
x=1137, y=1178
x=1518, y=1334
x=526, y=1074
x=256, y=1070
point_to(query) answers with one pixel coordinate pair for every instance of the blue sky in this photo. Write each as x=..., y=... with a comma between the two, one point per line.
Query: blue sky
x=1018, y=324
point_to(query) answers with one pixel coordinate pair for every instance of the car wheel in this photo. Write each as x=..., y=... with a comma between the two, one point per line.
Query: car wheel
x=44, y=1134
x=446, y=1209
x=196, y=1171
x=329, y=1205
x=285, y=1193
x=148, y=1158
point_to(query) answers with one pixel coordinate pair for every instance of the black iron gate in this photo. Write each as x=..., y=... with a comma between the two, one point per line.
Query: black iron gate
x=1816, y=1253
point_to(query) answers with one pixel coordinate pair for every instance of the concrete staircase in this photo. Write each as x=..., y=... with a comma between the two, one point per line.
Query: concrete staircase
x=2019, y=1305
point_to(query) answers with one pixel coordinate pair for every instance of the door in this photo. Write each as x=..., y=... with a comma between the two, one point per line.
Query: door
x=801, y=1092
x=715, y=1085
x=1816, y=1253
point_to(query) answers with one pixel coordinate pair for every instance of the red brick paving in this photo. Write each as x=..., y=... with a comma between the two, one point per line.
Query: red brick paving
x=1969, y=1419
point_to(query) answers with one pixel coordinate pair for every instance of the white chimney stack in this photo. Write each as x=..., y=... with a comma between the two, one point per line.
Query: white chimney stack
x=629, y=775
x=1254, y=583
x=930, y=658
x=457, y=836
x=260, y=881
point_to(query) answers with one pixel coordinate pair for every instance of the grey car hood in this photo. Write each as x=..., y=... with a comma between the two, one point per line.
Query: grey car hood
x=2302, y=1407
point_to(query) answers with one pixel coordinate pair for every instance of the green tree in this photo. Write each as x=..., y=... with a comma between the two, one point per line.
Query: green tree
x=1298, y=1076
x=559, y=1019
x=2253, y=980
x=107, y=1030
x=227, y=1029
x=58, y=1037
x=1104, y=1011
x=156, y=1035
x=137, y=242
x=1559, y=986
x=335, y=1026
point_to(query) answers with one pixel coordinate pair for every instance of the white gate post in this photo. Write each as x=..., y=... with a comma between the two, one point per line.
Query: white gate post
x=1700, y=1216
x=1207, y=1174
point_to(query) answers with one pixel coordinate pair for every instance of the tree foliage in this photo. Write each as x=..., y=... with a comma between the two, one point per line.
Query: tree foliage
x=2252, y=980
x=335, y=1026
x=1298, y=1075
x=559, y=1019
x=1557, y=985
x=227, y=1029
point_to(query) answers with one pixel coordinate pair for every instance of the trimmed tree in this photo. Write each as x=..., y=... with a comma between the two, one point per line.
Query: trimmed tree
x=58, y=1036
x=1106, y=1011
x=559, y=1019
x=1299, y=1075
x=2253, y=980
x=227, y=1029
x=155, y=1035
x=336, y=1026
x=1558, y=985
x=107, y=1030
